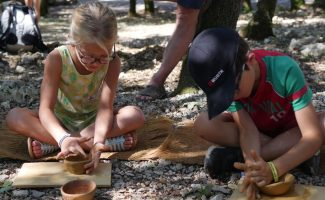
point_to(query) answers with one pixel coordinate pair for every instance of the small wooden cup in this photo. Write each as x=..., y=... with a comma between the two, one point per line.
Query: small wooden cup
x=75, y=164
x=279, y=188
x=78, y=190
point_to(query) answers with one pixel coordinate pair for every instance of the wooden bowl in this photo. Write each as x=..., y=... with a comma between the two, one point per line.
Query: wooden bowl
x=75, y=164
x=78, y=190
x=279, y=188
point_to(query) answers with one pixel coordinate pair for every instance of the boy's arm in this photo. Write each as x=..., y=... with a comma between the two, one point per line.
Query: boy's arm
x=249, y=140
x=310, y=142
x=248, y=133
x=104, y=119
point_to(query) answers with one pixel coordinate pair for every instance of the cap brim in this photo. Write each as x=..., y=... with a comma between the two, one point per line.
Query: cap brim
x=221, y=98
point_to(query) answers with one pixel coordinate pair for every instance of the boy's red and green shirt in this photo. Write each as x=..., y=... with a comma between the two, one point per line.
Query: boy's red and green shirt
x=282, y=90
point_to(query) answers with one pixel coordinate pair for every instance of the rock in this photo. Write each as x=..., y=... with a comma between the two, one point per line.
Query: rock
x=20, y=69
x=20, y=193
x=315, y=50
x=37, y=194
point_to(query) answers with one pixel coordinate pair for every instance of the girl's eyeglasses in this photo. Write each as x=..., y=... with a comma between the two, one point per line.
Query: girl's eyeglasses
x=87, y=60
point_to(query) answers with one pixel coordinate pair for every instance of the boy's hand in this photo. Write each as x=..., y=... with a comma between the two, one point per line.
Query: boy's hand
x=71, y=146
x=96, y=151
x=250, y=189
x=256, y=170
x=259, y=171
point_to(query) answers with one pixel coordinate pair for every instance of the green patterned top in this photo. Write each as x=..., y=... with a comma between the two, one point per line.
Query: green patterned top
x=78, y=95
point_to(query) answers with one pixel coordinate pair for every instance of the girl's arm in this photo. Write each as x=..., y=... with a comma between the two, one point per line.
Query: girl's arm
x=311, y=141
x=104, y=119
x=49, y=89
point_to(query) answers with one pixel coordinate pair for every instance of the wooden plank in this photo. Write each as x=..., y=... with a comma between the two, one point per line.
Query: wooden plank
x=298, y=192
x=52, y=174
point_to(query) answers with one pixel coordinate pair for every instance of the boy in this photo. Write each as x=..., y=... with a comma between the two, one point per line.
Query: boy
x=271, y=118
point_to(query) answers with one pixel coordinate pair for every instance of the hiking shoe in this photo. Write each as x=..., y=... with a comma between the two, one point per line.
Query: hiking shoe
x=219, y=160
x=312, y=165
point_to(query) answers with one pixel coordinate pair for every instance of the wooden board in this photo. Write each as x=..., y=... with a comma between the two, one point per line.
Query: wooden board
x=52, y=174
x=298, y=192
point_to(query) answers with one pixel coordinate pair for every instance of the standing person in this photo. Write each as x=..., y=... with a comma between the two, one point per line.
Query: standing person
x=36, y=4
x=76, y=110
x=187, y=13
x=270, y=114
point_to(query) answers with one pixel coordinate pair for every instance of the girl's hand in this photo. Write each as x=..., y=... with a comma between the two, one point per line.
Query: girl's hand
x=258, y=171
x=71, y=146
x=96, y=151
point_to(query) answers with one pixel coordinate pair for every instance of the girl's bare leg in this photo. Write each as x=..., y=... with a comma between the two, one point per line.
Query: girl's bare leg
x=26, y=122
x=126, y=120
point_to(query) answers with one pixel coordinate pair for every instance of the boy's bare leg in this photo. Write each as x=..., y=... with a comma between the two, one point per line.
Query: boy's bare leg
x=26, y=122
x=220, y=130
x=285, y=141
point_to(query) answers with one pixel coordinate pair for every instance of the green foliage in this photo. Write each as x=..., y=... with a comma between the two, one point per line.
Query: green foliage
x=296, y=4
x=246, y=6
x=6, y=186
x=206, y=191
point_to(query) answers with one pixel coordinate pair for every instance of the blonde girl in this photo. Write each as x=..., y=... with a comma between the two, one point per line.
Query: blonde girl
x=76, y=111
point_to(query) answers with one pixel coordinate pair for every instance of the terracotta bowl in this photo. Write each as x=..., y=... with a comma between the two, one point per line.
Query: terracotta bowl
x=279, y=188
x=75, y=164
x=78, y=190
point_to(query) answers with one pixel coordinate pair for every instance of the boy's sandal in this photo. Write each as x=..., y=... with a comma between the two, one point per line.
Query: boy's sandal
x=45, y=148
x=153, y=92
x=116, y=143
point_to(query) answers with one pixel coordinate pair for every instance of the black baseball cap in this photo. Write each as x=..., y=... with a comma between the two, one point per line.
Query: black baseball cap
x=211, y=62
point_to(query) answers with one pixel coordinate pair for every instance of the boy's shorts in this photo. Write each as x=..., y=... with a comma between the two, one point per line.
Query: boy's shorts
x=194, y=4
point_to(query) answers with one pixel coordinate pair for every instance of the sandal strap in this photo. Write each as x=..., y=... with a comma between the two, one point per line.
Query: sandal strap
x=48, y=148
x=116, y=143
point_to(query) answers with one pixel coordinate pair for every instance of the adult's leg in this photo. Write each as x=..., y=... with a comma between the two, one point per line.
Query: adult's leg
x=37, y=6
x=186, y=20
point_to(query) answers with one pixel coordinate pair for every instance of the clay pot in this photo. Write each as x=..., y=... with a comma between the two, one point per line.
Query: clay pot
x=75, y=164
x=279, y=188
x=78, y=190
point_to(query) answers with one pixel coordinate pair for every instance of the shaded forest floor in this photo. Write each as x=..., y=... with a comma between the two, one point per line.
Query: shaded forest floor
x=140, y=46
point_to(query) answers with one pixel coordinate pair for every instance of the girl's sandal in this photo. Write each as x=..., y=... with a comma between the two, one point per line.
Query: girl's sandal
x=45, y=148
x=116, y=144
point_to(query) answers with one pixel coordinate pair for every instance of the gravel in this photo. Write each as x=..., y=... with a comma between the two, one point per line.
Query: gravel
x=141, y=50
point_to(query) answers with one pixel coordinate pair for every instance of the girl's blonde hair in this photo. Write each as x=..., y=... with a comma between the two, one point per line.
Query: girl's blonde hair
x=93, y=22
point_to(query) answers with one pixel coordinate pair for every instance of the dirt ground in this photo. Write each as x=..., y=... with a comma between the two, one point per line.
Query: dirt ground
x=140, y=46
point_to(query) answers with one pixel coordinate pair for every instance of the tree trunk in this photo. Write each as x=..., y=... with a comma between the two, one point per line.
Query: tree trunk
x=260, y=26
x=44, y=7
x=215, y=13
x=319, y=4
x=132, y=8
x=149, y=7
